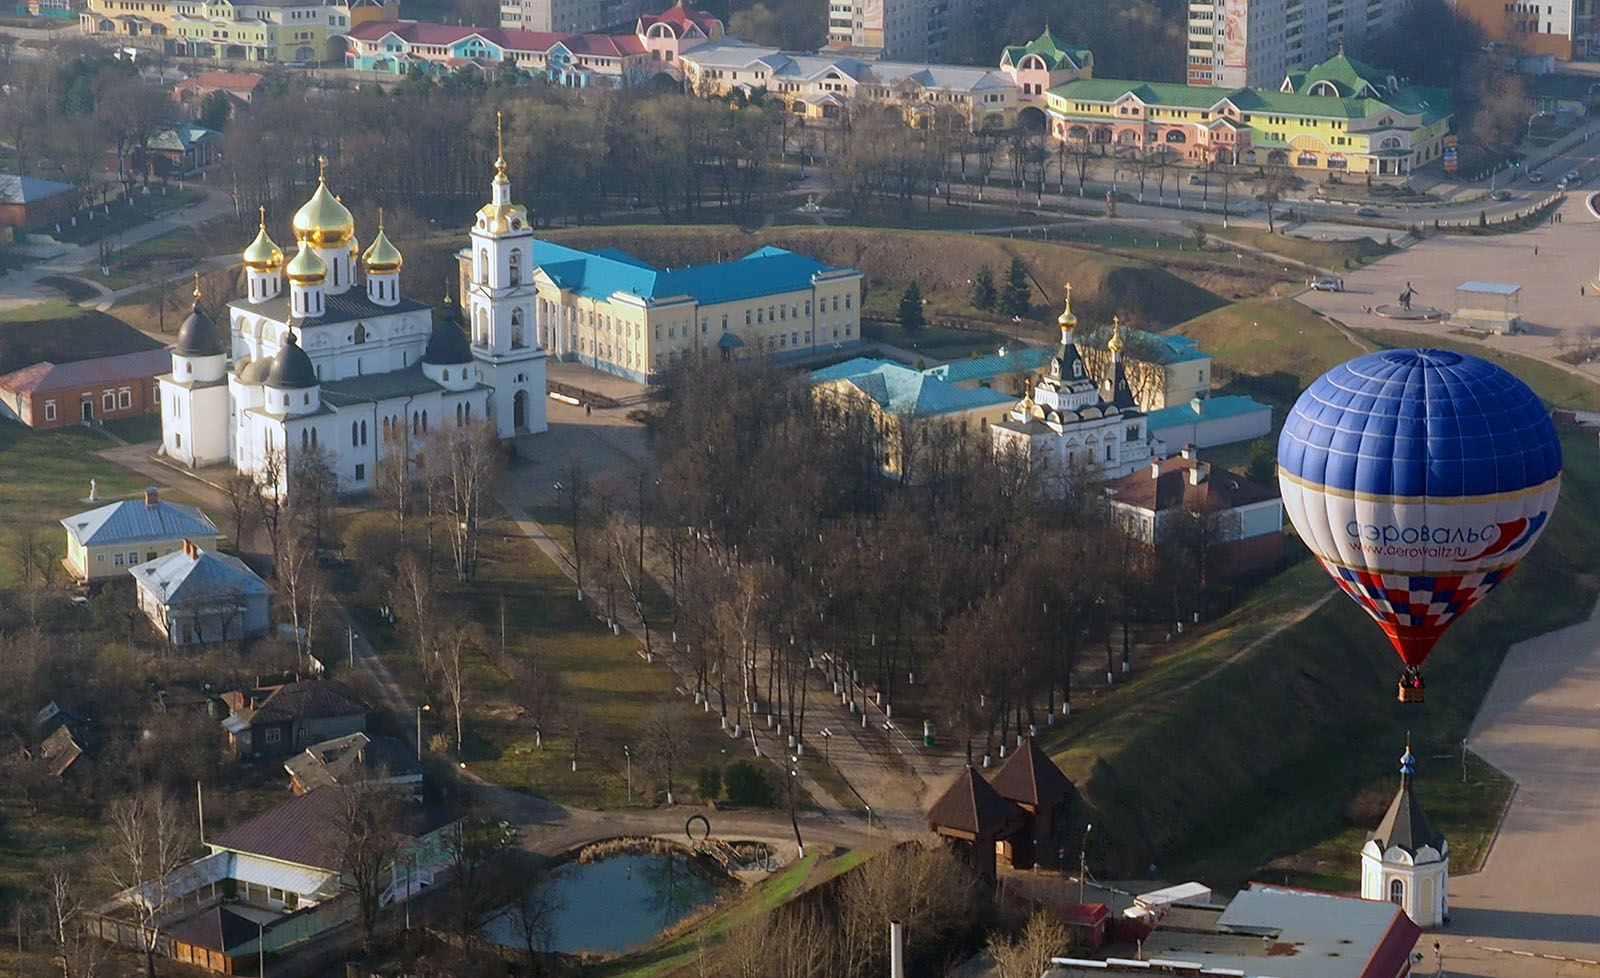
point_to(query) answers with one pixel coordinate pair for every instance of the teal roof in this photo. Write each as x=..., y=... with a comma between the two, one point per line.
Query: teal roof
x=908, y=393
x=988, y=368
x=1204, y=409
x=1053, y=52
x=181, y=138
x=133, y=521
x=1412, y=100
x=601, y=274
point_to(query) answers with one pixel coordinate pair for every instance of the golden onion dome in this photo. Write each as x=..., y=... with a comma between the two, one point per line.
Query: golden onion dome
x=1067, y=320
x=305, y=268
x=355, y=248
x=382, y=256
x=322, y=221
x=263, y=255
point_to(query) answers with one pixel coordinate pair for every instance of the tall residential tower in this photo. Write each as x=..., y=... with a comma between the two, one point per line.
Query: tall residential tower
x=1254, y=43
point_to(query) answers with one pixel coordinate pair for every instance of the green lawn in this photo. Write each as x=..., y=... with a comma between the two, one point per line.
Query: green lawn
x=1323, y=254
x=168, y=253
x=47, y=478
x=1270, y=349
x=124, y=215
x=933, y=343
x=609, y=687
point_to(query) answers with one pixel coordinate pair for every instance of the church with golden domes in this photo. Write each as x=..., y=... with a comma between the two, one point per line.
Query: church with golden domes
x=323, y=353
x=1069, y=422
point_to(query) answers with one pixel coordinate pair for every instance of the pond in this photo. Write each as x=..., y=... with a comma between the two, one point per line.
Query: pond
x=614, y=904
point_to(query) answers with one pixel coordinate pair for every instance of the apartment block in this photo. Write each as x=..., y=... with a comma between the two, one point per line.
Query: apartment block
x=1254, y=43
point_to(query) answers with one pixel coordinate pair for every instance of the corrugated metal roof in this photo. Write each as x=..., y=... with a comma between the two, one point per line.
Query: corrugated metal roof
x=906, y=392
x=1205, y=409
x=986, y=368
x=26, y=190
x=1493, y=288
x=118, y=369
x=178, y=579
x=133, y=521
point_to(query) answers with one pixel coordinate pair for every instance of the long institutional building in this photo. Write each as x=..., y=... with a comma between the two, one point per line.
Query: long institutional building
x=1254, y=43
x=1338, y=115
x=308, y=31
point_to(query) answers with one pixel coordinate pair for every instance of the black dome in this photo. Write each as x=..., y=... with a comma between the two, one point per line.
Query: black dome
x=291, y=368
x=198, y=336
x=448, y=342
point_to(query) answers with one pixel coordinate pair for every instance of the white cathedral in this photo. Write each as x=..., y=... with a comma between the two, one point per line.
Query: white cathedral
x=342, y=362
x=1068, y=421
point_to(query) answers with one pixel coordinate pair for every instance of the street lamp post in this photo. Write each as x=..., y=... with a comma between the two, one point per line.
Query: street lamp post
x=1083, y=861
x=261, y=949
x=420, y=709
x=794, y=772
x=629, y=755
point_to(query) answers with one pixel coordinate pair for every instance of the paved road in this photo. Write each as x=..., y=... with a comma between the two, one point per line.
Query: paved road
x=1538, y=892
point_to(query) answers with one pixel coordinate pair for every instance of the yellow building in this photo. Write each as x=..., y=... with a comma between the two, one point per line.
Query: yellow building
x=614, y=312
x=1341, y=115
x=307, y=31
x=104, y=542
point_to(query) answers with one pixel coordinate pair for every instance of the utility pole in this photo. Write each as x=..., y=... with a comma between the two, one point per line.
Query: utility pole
x=1083, y=861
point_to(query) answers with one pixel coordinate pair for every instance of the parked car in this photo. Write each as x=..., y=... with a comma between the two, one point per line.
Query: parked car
x=1196, y=179
x=1500, y=195
x=1367, y=212
x=1327, y=285
x=1561, y=184
x=1573, y=176
x=1536, y=177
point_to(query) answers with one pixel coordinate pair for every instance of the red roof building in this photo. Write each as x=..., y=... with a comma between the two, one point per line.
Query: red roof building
x=49, y=395
x=239, y=87
x=1236, y=523
x=677, y=29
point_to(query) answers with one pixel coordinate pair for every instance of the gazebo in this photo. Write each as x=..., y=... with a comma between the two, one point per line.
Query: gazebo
x=1031, y=781
x=974, y=817
x=1494, y=306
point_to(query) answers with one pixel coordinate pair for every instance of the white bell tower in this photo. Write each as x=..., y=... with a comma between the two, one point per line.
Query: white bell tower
x=1406, y=861
x=500, y=304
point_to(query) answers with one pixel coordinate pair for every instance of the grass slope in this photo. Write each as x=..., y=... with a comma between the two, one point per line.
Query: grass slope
x=1217, y=775
x=1270, y=349
x=62, y=333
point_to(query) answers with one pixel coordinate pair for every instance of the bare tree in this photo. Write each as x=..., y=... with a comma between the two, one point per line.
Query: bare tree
x=271, y=502
x=531, y=915
x=314, y=488
x=149, y=839
x=467, y=459
x=662, y=743
x=457, y=640
x=396, y=476
x=481, y=877
x=537, y=689
x=366, y=840
x=1028, y=954
x=414, y=597
x=573, y=490
x=239, y=489
x=302, y=585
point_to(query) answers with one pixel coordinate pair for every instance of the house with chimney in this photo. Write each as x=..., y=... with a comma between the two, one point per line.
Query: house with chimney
x=195, y=596
x=286, y=718
x=102, y=543
x=1239, y=523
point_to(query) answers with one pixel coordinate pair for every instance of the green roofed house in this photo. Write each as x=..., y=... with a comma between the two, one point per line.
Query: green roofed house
x=1040, y=65
x=1340, y=115
x=902, y=403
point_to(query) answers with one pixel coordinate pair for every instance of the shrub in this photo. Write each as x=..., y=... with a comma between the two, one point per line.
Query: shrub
x=747, y=784
x=709, y=784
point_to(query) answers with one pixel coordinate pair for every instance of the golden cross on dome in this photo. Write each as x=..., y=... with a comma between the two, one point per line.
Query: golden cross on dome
x=263, y=209
x=499, y=134
x=322, y=167
x=197, y=285
x=380, y=219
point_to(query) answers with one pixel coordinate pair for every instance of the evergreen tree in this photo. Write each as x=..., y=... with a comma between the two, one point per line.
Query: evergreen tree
x=911, y=307
x=1261, y=465
x=1017, y=299
x=984, y=294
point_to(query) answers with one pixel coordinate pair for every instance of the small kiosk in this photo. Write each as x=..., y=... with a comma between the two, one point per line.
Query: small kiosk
x=1492, y=306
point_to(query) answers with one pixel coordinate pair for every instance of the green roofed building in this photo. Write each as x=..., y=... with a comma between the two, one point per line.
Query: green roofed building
x=1340, y=115
x=1040, y=65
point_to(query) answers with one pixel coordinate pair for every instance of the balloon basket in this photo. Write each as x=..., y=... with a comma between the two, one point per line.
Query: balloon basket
x=1410, y=689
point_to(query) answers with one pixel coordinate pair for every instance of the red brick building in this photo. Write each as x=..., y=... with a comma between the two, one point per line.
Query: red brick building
x=26, y=202
x=49, y=395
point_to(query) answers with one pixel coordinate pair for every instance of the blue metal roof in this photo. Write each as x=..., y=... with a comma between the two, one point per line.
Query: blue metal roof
x=1180, y=348
x=601, y=274
x=25, y=190
x=134, y=521
x=1493, y=288
x=908, y=393
x=1419, y=423
x=176, y=578
x=1204, y=409
x=988, y=368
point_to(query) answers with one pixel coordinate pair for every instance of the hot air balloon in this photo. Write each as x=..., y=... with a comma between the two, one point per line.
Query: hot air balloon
x=1418, y=478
